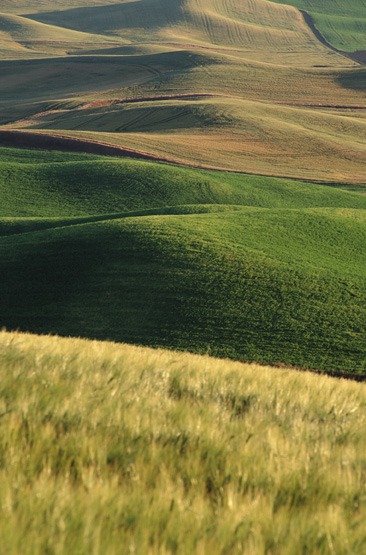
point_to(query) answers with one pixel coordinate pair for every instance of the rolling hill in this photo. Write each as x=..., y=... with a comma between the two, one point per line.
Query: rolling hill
x=224, y=22
x=245, y=63
x=343, y=24
x=22, y=38
x=186, y=175
x=173, y=257
x=246, y=267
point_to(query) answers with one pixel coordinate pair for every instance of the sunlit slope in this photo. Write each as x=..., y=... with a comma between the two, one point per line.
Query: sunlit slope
x=227, y=133
x=217, y=282
x=112, y=445
x=276, y=452
x=21, y=6
x=341, y=22
x=32, y=38
x=51, y=184
x=218, y=112
x=30, y=86
x=321, y=135
x=233, y=52
x=170, y=72
x=256, y=27
x=277, y=277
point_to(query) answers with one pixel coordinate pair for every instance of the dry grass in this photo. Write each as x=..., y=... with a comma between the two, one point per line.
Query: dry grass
x=29, y=39
x=258, y=27
x=106, y=448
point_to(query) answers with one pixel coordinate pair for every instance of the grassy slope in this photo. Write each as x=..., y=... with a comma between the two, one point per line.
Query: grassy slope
x=228, y=24
x=252, y=268
x=342, y=23
x=21, y=6
x=225, y=133
x=104, y=445
x=249, y=135
x=52, y=184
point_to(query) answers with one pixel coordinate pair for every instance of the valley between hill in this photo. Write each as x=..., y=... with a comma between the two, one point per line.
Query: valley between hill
x=246, y=267
x=257, y=268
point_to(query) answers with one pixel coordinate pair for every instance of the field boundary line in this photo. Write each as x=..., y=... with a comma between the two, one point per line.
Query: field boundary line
x=15, y=138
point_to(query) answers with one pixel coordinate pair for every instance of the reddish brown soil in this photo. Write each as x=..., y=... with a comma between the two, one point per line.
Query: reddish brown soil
x=28, y=139
x=111, y=102
x=319, y=105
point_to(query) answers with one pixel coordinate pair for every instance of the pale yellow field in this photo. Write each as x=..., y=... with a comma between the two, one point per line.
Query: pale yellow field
x=257, y=27
x=108, y=445
x=226, y=133
x=21, y=37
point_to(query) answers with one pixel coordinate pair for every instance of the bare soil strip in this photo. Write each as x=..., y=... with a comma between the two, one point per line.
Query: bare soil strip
x=115, y=101
x=319, y=105
x=197, y=96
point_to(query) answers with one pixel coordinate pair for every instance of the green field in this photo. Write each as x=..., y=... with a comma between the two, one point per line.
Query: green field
x=251, y=268
x=343, y=24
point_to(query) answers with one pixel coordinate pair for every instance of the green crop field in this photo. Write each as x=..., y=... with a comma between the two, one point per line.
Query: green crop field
x=109, y=448
x=343, y=24
x=241, y=266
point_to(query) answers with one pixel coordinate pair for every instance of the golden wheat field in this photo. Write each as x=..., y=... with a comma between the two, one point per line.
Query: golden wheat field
x=110, y=448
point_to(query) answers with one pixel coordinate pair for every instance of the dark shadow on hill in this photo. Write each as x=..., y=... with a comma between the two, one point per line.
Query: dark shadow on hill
x=148, y=14
x=359, y=56
x=26, y=139
x=51, y=79
x=355, y=79
x=140, y=285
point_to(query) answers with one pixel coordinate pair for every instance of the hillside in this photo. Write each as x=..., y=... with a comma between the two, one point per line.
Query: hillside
x=343, y=24
x=224, y=133
x=241, y=266
x=266, y=95
x=23, y=38
x=104, y=445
